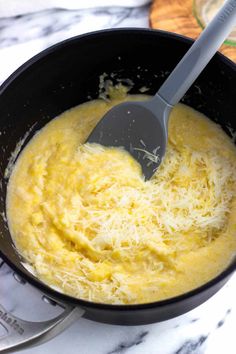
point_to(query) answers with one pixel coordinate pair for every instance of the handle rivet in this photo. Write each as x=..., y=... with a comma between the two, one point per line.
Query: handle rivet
x=19, y=279
x=48, y=300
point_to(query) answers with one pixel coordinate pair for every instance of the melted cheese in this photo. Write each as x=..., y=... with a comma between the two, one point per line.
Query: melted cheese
x=85, y=219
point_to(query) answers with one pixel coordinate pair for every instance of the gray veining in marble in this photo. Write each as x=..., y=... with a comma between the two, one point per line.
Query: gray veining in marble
x=210, y=328
x=207, y=329
x=23, y=36
x=49, y=22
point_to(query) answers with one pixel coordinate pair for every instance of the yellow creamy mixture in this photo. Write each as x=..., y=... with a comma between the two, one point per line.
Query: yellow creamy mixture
x=88, y=223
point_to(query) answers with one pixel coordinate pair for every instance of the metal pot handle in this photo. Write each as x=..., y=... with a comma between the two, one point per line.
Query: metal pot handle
x=22, y=334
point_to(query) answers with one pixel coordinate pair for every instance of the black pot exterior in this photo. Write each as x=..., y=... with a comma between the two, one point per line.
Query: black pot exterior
x=66, y=75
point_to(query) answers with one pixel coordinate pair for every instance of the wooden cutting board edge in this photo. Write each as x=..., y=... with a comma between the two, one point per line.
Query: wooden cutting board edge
x=177, y=16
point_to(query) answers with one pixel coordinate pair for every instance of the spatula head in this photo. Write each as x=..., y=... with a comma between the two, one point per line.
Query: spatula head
x=136, y=128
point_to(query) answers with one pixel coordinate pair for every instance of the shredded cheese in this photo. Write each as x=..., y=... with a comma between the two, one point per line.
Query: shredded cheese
x=85, y=219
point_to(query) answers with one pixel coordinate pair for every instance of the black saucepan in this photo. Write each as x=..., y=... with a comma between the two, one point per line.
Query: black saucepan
x=66, y=75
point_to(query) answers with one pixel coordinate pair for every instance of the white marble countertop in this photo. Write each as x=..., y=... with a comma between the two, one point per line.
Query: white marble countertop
x=210, y=328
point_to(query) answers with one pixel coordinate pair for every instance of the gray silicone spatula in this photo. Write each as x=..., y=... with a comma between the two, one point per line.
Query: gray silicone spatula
x=142, y=127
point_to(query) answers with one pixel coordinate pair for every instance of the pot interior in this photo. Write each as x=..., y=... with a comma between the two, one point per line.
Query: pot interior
x=68, y=74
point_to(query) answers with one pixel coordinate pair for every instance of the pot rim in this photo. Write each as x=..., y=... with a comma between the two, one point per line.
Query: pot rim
x=61, y=297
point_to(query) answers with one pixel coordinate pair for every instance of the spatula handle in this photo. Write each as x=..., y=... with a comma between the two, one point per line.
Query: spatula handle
x=200, y=53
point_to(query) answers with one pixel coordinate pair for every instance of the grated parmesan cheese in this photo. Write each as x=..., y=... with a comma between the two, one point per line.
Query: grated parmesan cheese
x=87, y=222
